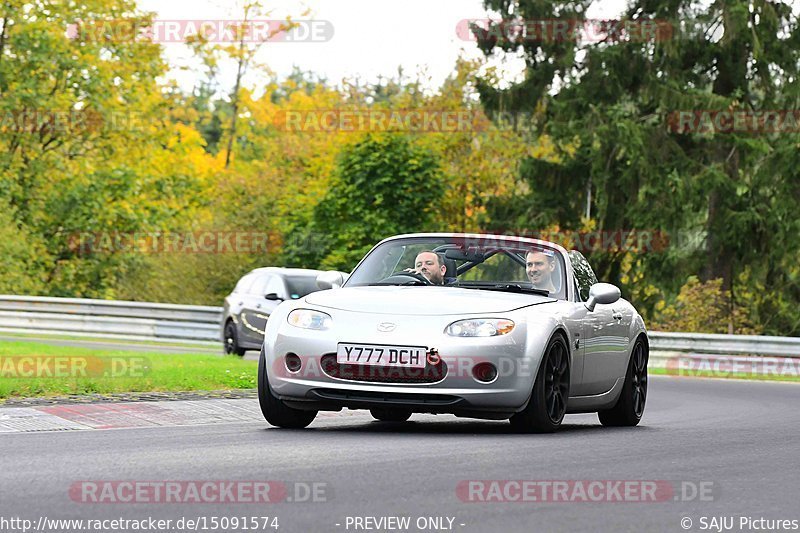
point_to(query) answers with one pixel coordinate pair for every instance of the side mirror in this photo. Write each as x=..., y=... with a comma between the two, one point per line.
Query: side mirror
x=273, y=296
x=602, y=293
x=330, y=280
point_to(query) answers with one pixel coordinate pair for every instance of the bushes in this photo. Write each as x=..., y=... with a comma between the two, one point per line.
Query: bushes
x=23, y=257
x=703, y=307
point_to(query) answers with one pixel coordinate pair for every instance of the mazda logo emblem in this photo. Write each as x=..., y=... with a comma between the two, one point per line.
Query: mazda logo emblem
x=386, y=326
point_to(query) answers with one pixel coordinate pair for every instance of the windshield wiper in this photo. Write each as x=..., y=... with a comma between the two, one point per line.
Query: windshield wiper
x=505, y=287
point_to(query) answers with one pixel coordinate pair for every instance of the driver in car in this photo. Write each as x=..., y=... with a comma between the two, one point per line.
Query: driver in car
x=430, y=265
x=539, y=265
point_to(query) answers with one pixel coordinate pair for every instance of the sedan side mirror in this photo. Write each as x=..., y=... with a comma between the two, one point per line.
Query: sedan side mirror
x=273, y=296
x=330, y=280
x=602, y=293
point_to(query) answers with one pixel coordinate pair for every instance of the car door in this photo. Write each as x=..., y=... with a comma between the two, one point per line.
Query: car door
x=576, y=323
x=275, y=285
x=253, y=317
x=235, y=302
x=606, y=349
x=622, y=317
x=603, y=334
x=258, y=309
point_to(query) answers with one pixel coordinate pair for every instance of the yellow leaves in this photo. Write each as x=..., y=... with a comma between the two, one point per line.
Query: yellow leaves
x=544, y=148
x=184, y=136
x=703, y=307
x=588, y=224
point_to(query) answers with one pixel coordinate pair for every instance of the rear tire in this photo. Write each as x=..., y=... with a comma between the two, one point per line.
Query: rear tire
x=390, y=415
x=629, y=408
x=548, y=402
x=231, y=339
x=275, y=411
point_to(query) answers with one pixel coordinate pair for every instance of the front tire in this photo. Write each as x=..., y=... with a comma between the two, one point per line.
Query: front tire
x=231, y=339
x=275, y=411
x=629, y=408
x=548, y=402
x=390, y=415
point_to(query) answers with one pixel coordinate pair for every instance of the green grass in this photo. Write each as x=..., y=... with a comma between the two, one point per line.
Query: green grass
x=135, y=371
x=720, y=375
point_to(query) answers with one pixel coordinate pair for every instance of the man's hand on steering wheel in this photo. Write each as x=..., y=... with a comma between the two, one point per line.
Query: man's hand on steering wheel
x=413, y=274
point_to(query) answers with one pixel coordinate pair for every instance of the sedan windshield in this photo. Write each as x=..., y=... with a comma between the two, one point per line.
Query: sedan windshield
x=482, y=263
x=300, y=286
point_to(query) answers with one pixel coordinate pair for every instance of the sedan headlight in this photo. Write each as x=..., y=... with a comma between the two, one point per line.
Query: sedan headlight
x=308, y=319
x=480, y=327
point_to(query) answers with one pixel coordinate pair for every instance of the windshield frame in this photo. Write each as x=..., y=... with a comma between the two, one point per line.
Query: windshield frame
x=494, y=243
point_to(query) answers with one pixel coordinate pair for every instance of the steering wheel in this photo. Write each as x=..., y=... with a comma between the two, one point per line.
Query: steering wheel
x=414, y=275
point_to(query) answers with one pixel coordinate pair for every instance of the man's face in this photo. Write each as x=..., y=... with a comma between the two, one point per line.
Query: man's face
x=539, y=267
x=427, y=264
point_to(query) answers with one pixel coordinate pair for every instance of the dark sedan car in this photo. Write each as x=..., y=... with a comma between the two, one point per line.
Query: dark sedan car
x=255, y=297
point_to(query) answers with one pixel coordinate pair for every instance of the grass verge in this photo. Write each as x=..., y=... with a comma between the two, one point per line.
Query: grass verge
x=29, y=369
x=722, y=375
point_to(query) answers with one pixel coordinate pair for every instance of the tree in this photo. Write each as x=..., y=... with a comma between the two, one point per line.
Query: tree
x=84, y=143
x=384, y=184
x=612, y=101
x=243, y=52
x=24, y=257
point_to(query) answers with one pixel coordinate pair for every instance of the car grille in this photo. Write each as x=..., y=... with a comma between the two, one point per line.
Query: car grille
x=382, y=374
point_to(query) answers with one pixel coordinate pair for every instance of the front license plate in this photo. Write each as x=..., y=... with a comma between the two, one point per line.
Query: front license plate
x=381, y=355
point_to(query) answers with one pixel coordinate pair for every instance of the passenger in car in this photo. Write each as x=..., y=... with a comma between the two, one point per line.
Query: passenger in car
x=539, y=266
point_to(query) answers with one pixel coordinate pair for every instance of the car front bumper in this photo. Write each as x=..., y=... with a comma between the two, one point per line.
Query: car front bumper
x=515, y=355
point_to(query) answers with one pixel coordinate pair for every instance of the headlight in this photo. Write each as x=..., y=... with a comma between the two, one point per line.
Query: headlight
x=308, y=319
x=480, y=327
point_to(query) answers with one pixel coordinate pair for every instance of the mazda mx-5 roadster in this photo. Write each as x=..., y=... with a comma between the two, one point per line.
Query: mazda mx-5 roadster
x=482, y=326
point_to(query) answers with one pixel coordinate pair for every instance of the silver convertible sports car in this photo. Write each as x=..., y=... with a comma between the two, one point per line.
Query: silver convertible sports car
x=478, y=326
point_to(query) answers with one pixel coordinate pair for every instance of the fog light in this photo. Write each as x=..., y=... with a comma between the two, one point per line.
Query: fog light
x=293, y=362
x=484, y=372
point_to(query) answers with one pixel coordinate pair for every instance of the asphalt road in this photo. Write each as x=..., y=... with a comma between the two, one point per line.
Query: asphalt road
x=737, y=440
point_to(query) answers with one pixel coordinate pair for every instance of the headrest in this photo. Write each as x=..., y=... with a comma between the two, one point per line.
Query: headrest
x=451, y=271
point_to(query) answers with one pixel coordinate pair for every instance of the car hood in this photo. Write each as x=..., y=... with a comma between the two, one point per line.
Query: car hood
x=417, y=300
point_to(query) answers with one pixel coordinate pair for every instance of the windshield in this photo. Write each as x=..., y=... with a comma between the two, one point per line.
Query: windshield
x=300, y=286
x=468, y=262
